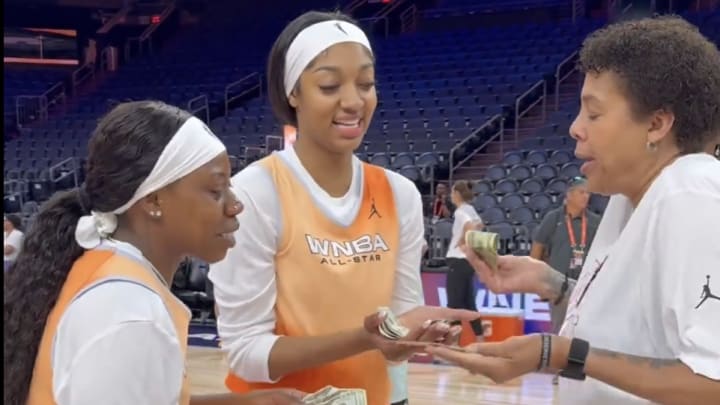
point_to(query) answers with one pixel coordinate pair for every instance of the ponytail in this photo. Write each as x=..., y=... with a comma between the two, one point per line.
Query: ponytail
x=33, y=284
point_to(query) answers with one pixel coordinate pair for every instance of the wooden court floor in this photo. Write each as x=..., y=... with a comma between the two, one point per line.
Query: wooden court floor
x=429, y=384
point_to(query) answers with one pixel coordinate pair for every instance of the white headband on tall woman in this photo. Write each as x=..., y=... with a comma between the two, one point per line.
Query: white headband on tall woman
x=311, y=41
x=192, y=146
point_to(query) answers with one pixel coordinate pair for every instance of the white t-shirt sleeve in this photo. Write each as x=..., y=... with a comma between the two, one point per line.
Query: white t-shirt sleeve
x=408, y=292
x=244, y=282
x=687, y=253
x=105, y=353
x=15, y=240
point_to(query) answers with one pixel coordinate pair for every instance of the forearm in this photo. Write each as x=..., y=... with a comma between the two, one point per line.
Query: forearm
x=552, y=286
x=665, y=381
x=291, y=354
x=217, y=399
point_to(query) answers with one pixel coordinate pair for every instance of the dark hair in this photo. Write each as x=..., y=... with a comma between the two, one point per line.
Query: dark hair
x=15, y=220
x=464, y=188
x=276, y=61
x=665, y=63
x=122, y=152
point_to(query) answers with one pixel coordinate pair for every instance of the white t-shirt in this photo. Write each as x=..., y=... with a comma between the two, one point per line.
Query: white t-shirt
x=244, y=282
x=116, y=344
x=14, y=239
x=644, y=300
x=463, y=214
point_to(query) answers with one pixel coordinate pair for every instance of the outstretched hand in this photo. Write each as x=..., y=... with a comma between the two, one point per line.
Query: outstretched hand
x=514, y=274
x=419, y=322
x=503, y=361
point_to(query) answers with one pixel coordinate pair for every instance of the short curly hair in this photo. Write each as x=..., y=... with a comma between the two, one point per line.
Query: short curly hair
x=665, y=63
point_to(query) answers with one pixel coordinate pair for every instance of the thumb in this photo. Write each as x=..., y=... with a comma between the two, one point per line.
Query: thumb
x=493, y=349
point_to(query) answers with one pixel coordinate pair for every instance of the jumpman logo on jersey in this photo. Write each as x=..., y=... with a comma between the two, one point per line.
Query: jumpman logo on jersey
x=341, y=28
x=706, y=293
x=373, y=210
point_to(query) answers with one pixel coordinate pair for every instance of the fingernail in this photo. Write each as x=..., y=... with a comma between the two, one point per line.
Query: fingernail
x=427, y=324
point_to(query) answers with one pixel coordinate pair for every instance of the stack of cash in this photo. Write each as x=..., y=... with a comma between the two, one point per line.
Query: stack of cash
x=391, y=328
x=485, y=245
x=336, y=396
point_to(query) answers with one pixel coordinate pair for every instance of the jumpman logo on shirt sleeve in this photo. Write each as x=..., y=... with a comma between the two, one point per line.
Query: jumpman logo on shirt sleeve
x=706, y=293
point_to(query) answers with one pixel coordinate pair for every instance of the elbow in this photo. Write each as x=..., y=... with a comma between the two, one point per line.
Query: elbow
x=248, y=358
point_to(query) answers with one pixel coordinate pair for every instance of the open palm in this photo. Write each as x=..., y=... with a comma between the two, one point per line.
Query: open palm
x=514, y=274
x=417, y=321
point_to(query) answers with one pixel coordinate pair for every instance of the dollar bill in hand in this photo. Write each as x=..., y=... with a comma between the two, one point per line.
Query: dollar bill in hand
x=485, y=245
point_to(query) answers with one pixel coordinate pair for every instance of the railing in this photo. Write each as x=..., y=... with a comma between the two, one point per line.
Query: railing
x=145, y=39
x=59, y=171
x=279, y=142
x=500, y=134
x=56, y=94
x=81, y=75
x=30, y=108
x=519, y=114
x=561, y=77
x=115, y=19
x=199, y=104
x=578, y=10
x=408, y=19
x=238, y=85
x=354, y=5
x=249, y=156
x=371, y=21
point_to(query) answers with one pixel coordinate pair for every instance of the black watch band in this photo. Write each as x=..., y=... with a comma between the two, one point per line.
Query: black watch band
x=575, y=368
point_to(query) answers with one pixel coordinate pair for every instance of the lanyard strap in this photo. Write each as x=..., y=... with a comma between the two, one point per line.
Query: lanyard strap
x=571, y=231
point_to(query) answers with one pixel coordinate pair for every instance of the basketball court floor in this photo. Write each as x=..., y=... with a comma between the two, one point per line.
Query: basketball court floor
x=429, y=384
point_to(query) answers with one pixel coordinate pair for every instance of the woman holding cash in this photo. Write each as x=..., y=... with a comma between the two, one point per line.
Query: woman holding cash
x=325, y=238
x=642, y=320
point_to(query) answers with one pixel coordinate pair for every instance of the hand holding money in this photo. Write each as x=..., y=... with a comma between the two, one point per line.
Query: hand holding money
x=508, y=274
x=422, y=324
x=485, y=245
x=336, y=396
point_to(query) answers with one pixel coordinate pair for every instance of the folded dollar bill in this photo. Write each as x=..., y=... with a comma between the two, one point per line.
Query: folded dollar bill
x=336, y=396
x=485, y=245
x=391, y=328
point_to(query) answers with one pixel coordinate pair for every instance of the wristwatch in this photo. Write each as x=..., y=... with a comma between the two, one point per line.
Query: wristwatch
x=575, y=368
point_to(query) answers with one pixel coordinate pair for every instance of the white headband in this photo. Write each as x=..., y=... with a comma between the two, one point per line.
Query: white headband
x=314, y=39
x=192, y=146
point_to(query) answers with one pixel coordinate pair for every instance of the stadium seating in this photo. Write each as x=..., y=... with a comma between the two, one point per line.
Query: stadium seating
x=435, y=89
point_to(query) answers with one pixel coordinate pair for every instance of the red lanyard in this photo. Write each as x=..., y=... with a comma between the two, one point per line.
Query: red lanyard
x=571, y=232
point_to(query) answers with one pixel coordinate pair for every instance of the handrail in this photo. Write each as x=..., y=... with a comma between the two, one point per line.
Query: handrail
x=280, y=141
x=236, y=84
x=114, y=19
x=559, y=80
x=465, y=140
x=373, y=21
x=146, y=36
x=25, y=113
x=247, y=155
x=408, y=19
x=51, y=99
x=81, y=75
x=519, y=114
x=384, y=12
x=73, y=166
x=203, y=105
x=353, y=5
x=578, y=9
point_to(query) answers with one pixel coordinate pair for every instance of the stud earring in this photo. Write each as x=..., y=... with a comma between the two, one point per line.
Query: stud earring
x=155, y=214
x=651, y=146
